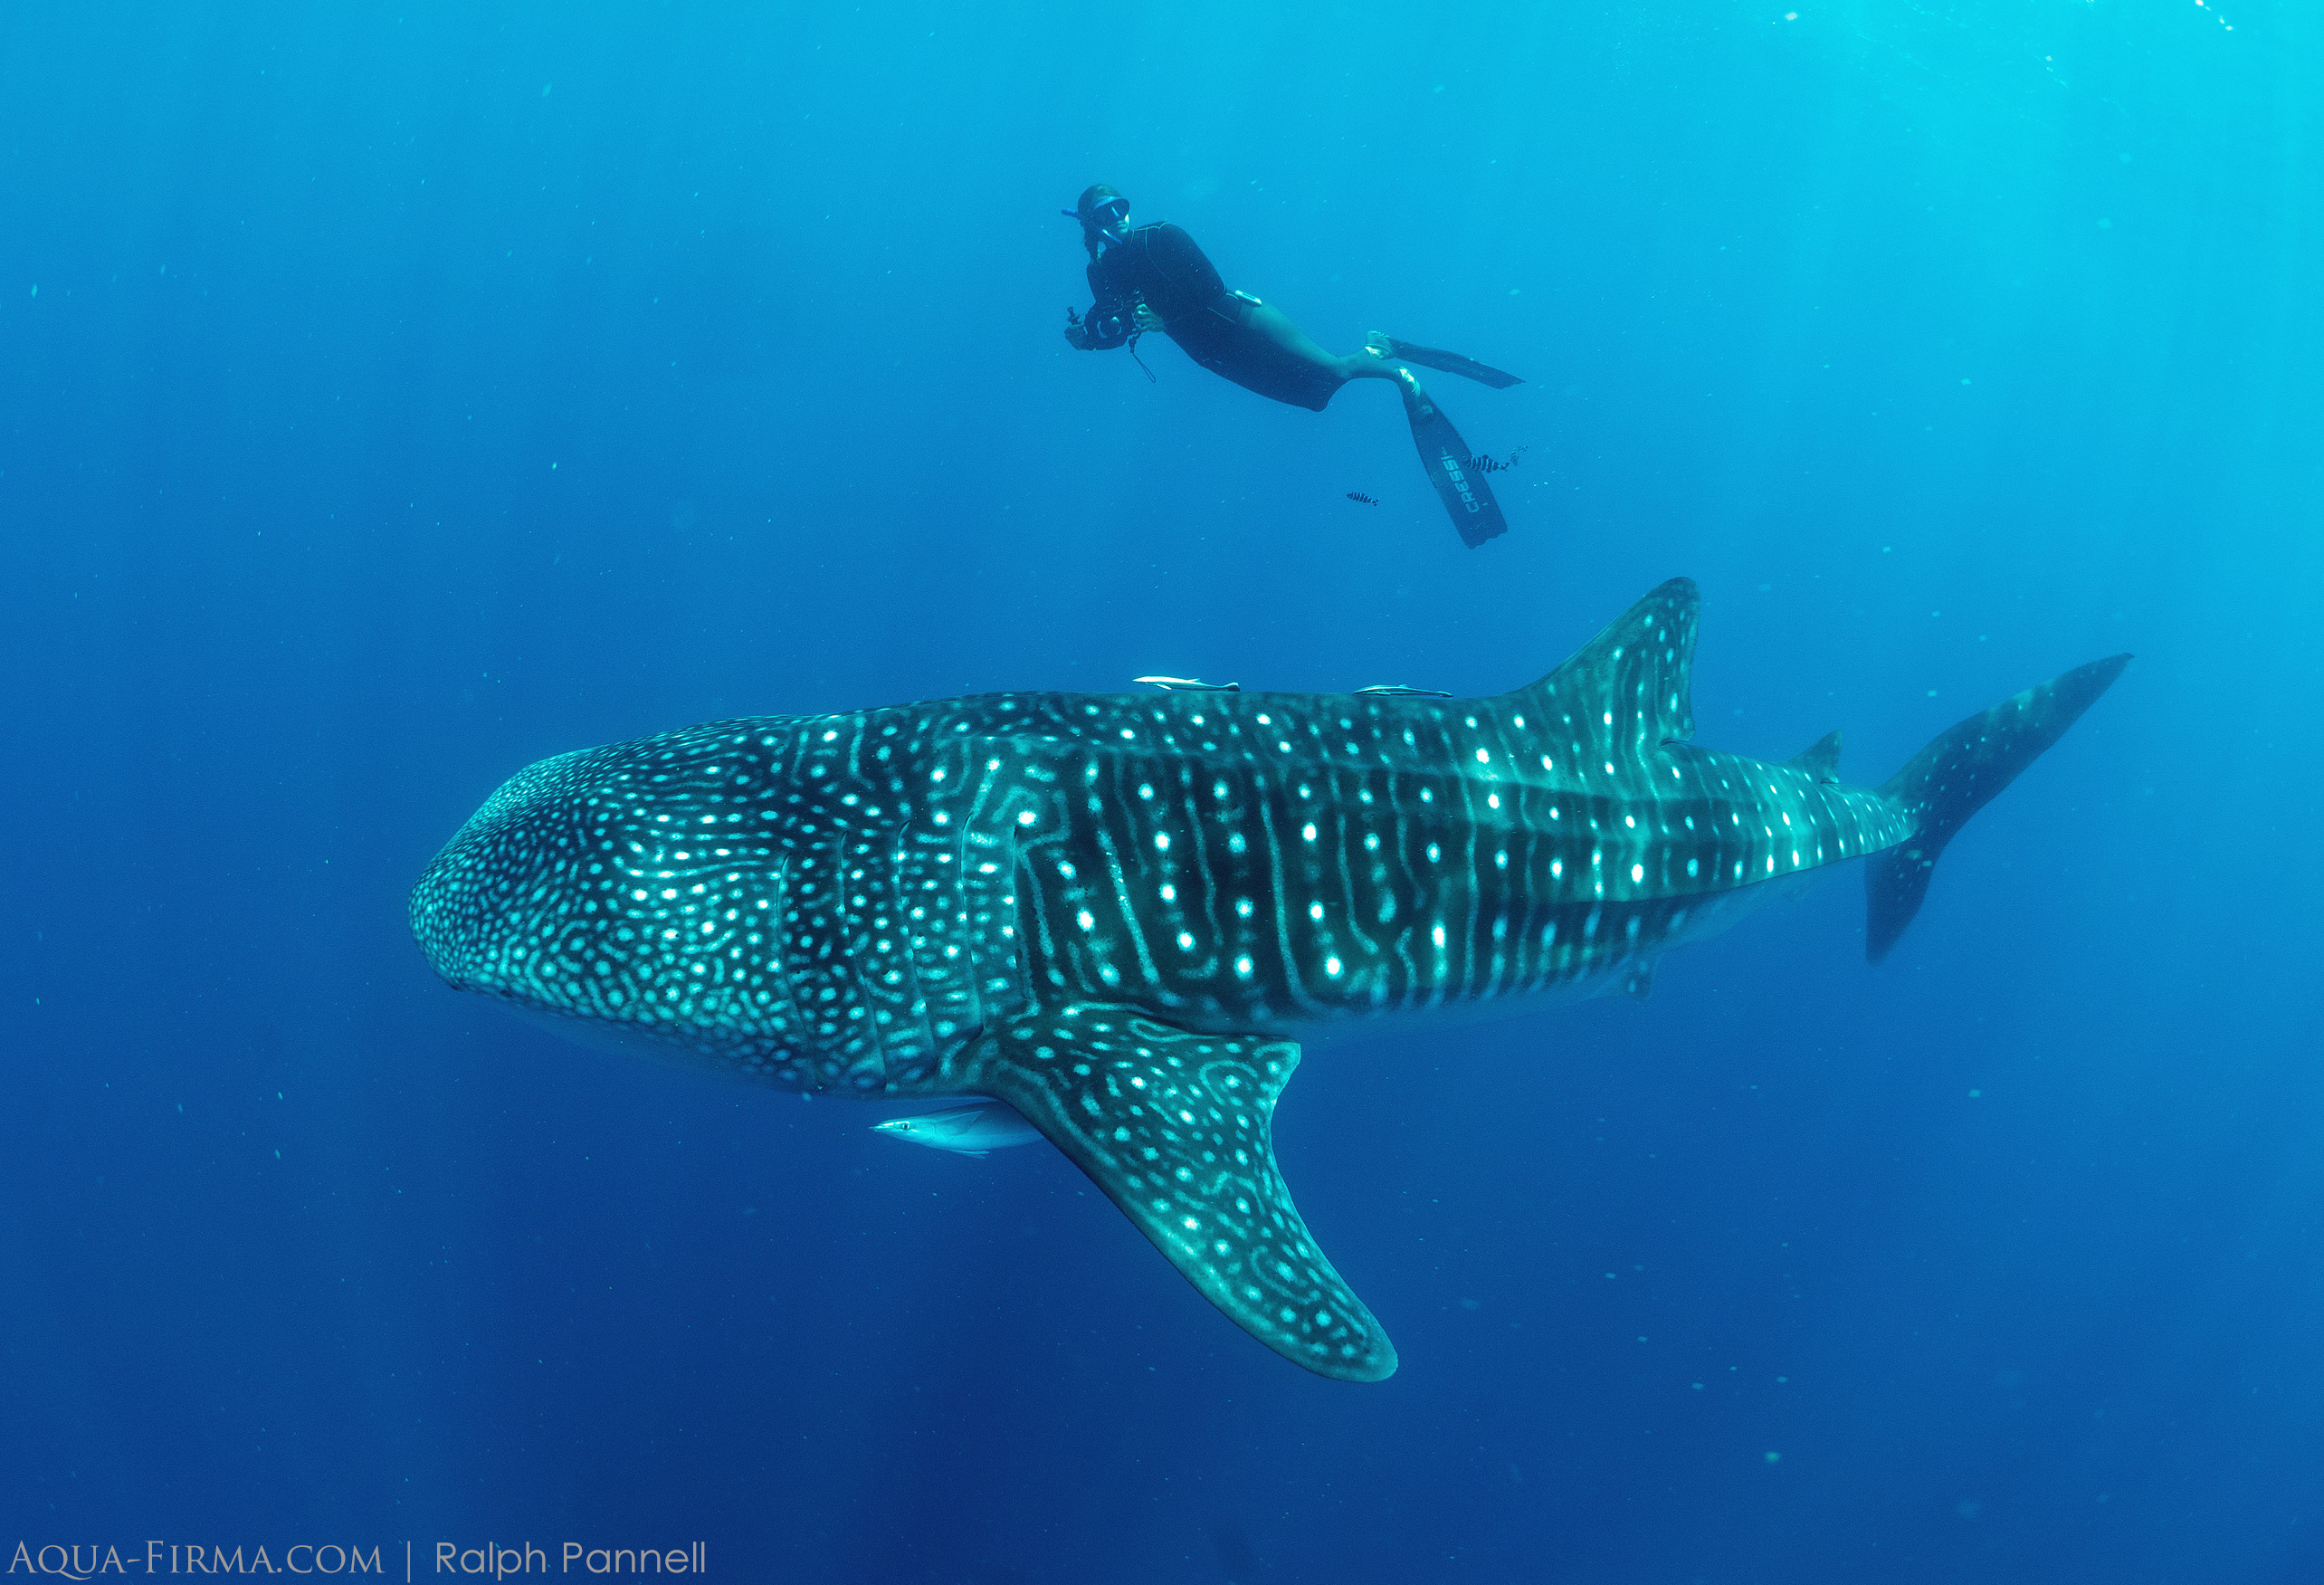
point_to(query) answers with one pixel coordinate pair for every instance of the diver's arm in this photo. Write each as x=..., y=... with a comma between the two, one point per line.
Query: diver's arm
x=1096, y=335
x=1106, y=328
x=1108, y=321
x=1174, y=255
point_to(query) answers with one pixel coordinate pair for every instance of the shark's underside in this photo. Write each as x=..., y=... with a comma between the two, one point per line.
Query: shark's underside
x=1112, y=911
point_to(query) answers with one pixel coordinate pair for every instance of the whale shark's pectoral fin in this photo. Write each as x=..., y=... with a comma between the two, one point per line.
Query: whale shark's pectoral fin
x=1176, y=1129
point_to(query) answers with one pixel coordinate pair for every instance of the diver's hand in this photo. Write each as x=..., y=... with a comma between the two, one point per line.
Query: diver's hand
x=1077, y=334
x=1146, y=318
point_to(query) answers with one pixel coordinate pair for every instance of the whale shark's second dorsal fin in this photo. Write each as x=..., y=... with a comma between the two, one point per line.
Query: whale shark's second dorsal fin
x=1820, y=759
x=1176, y=1129
x=1630, y=690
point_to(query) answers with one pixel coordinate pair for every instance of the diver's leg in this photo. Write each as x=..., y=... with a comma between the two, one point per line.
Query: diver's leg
x=1378, y=361
x=1364, y=366
x=1274, y=357
x=1445, y=457
x=1274, y=325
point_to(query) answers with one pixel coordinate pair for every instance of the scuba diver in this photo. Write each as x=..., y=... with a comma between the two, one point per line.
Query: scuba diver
x=1154, y=278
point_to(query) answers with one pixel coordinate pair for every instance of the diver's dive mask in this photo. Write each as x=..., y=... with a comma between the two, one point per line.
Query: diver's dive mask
x=1103, y=213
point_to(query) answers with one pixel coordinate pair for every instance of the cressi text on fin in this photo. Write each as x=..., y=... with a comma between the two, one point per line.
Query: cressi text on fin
x=1467, y=499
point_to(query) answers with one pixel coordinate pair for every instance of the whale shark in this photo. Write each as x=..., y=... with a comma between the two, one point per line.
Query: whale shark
x=1118, y=914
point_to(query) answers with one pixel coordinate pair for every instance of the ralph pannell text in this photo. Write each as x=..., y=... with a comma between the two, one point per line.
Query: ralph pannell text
x=385, y=1561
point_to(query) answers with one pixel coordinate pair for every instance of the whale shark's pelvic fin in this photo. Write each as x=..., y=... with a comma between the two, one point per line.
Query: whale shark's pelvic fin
x=1957, y=775
x=1176, y=1129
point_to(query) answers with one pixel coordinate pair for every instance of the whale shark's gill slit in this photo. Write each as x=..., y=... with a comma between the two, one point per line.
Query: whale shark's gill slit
x=1196, y=877
x=1124, y=906
x=1349, y=903
x=1476, y=911
x=1285, y=972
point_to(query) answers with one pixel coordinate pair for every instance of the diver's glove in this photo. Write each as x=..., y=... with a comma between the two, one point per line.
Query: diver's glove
x=1077, y=334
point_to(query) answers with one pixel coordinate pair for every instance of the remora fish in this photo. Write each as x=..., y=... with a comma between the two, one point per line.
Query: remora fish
x=1110, y=911
x=972, y=1130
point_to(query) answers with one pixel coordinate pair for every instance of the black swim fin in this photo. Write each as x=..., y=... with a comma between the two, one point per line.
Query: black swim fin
x=1436, y=358
x=1468, y=499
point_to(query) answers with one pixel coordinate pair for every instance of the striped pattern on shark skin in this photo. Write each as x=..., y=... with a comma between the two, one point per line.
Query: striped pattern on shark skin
x=941, y=899
x=1248, y=864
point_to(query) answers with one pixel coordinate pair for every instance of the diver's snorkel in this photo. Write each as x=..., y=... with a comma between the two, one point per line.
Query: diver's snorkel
x=1113, y=227
x=1109, y=224
x=1104, y=215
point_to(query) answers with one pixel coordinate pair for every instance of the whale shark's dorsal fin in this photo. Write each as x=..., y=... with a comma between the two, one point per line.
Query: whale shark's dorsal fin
x=1820, y=759
x=1175, y=1128
x=1640, y=672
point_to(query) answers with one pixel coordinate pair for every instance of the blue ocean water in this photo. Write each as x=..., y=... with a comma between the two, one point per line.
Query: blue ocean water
x=391, y=397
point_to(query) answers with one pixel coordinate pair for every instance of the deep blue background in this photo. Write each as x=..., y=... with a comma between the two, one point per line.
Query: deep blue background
x=388, y=398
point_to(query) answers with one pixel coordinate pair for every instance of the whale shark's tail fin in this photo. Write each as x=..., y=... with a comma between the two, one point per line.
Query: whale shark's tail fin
x=1957, y=775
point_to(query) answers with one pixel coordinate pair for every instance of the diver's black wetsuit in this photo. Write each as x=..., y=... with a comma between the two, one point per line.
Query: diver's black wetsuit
x=1160, y=266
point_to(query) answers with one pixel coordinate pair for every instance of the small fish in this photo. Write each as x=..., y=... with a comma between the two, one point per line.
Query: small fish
x=1359, y=497
x=1402, y=691
x=971, y=1130
x=1188, y=685
x=1484, y=462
